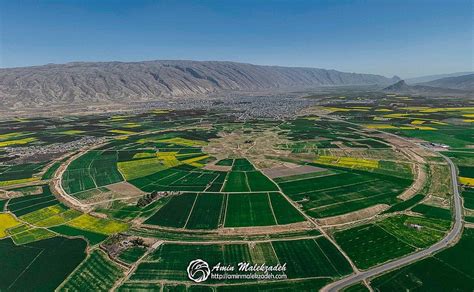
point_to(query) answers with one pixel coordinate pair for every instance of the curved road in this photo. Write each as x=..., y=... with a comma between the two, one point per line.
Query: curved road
x=455, y=231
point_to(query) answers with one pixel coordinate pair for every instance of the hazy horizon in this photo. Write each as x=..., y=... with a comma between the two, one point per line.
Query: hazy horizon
x=404, y=38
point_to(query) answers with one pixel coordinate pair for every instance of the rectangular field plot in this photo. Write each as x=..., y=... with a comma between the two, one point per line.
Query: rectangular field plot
x=27, y=204
x=92, y=237
x=242, y=164
x=369, y=245
x=449, y=270
x=131, y=255
x=259, y=182
x=419, y=232
x=40, y=265
x=433, y=212
x=96, y=273
x=468, y=195
x=180, y=178
x=91, y=170
x=236, y=182
x=343, y=192
x=311, y=258
x=249, y=210
x=285, y=213
x=25, y=234
x=97, y=225
x=206, y=212
x=169, y=261
x=175, y=213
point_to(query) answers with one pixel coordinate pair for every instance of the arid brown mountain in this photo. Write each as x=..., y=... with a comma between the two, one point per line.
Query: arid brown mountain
x=139, y=81
x=464, y=82
x=403, y=88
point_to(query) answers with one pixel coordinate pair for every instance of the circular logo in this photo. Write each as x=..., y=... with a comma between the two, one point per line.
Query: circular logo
x=198, y=270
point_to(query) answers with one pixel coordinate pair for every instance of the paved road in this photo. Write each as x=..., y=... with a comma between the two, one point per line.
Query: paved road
x=355, y=278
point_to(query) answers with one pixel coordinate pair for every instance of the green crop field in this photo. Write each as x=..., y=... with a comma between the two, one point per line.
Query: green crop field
x=91, y=170
x=369, y=245
x=236, y=181
x=449, y=270
x=175, y=213
x=343, y=192
x=96, y=273
x=284, y=212
x=92, y=237
x=206, y=212
x=131, y=255
x=468, y=195
x=249, y=210
x=311, y=258
x=43, y=264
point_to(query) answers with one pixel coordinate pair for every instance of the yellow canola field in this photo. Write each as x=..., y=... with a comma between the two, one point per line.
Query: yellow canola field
x=466, y=181
x=182, y=142
x=7, y=221
x=72, y=132
x=17, y=142
x=349, y=162
x=18, y=181
x=99, y=225
x=123, y=132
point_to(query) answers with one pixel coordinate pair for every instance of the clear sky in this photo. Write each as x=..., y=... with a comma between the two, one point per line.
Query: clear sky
x=404, y=37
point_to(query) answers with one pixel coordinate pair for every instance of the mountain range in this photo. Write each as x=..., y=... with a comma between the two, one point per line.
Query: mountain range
x=89, y=82
x=428, y=78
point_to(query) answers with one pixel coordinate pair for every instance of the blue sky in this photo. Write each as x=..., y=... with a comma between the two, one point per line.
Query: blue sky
x=407, y=38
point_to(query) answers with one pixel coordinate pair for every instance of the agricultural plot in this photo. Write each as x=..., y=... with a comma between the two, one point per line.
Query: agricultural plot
x=97, y=225
x=7, y=221
x=468, y=195
x=369, y=245
x=311, y=258
x=23, y=266
x=449, y=270
x=27, y=204
x=180, y=178
x=284, y=212
x=206, y=212
x=175, y=213
x=304, y=258
x=24, y=234
x=419, y=232
x=343, y=192
x=403, y=205
x=20, y=173
x=212, y=210
x=96, y=273
x=249, y=210
x=91, y=170
x=92, y=237
x=242, y=164
x=132, y=254
x=433, y=212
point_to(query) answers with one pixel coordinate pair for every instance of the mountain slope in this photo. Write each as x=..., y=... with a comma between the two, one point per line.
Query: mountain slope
x=402, y=87
x=428, y=78
x=465, y=82
x=117, y=81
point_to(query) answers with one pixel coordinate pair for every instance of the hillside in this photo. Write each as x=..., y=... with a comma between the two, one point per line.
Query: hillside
x=139, y=81
x=428, y=78
x=465, y=82
x=402, y=87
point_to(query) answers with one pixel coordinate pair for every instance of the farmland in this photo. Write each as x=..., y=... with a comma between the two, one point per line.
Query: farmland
x=445, y=271
x=160, y=188
x=211, y=211
x=170, y=260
